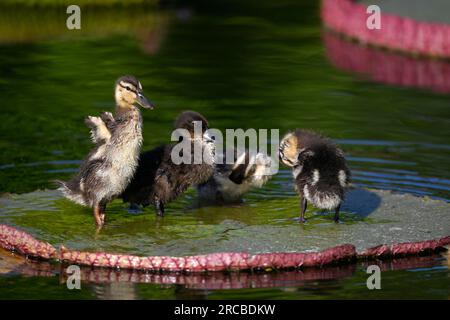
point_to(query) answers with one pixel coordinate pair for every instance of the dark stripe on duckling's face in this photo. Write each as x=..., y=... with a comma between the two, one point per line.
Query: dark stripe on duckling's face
x=128, y=87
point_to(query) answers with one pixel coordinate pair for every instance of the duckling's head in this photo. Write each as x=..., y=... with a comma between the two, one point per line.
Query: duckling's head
x=297, y=146
x=128, y=94
x=197, y=127
x=189, y=120
x=289, y=149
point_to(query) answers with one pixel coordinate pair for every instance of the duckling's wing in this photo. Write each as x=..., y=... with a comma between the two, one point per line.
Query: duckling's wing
x=100, y=134
x=108, y=120
x=238, y=174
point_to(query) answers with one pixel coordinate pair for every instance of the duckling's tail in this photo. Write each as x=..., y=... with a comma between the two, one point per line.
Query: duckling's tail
x=70, y=193
x=324, y=198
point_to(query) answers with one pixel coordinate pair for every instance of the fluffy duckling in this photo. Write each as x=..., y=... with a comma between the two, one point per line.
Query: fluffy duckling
x=231, y=181
x=319, y=168
x=158, y=180
x=110, y=165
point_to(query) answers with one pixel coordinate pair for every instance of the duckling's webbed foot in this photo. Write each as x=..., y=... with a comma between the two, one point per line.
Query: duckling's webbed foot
x=336, y=214
x=159, y=207
x=303, y=206
x=102, y=213
x=98, y=216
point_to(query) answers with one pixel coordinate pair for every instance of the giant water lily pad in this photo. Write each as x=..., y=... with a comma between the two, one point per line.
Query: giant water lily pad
x=369, y=218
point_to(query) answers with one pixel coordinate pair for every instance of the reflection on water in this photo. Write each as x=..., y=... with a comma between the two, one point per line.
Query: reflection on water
x=149, y=27
x=101, y=283
x=242, y=65
x=387, y=67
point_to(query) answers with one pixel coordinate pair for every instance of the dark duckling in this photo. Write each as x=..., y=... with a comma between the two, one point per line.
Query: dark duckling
x=110, y=165
x=319, y=168
x=158, y=180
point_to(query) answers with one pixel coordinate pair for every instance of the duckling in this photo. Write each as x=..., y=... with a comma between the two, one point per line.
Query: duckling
x=231, y=181
x=158, y=180
x=319, y=168
x=110, y=165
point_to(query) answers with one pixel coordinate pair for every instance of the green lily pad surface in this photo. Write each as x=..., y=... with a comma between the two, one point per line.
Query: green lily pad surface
x=369, y=218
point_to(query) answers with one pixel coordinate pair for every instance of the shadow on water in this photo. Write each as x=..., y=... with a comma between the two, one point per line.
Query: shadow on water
x=361, y=202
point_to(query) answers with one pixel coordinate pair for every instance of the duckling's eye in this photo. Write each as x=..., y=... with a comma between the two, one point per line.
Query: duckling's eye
x=128, y=88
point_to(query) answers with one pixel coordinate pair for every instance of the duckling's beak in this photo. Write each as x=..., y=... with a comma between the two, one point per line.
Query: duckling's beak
x=144, y=102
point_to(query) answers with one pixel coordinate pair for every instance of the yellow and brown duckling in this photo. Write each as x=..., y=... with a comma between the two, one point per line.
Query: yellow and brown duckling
x=110, y=165
x=159, y=180
x=319, y=168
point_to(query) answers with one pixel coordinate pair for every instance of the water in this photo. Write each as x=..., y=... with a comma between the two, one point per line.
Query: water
x=254, y=65
x=414, y=277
